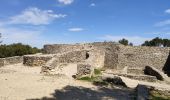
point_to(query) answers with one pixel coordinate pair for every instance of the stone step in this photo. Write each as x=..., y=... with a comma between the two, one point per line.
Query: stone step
x=137, y=71
x=140, y=77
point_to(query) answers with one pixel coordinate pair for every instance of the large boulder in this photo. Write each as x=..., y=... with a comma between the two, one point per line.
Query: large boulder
x=155, y=72
x=84, y=70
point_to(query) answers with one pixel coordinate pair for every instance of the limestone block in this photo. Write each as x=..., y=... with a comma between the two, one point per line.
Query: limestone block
x=84, y=70
x=36, y=60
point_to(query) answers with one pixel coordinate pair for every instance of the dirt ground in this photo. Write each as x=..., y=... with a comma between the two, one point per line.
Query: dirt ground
x=18, y=82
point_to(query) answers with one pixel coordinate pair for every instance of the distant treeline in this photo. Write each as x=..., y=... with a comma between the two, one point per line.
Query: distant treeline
x=17, y=50
x=159, y=42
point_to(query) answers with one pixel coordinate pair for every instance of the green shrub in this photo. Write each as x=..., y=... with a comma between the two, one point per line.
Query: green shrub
x=17, y=50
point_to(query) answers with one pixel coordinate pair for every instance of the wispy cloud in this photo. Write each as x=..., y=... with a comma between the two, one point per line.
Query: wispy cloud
x=16, y=35
x=136, y=40
x=167, y=11
x=76, y=29
x=163, y=23
x=92, y=5
x=35, y=16
x=66, y=2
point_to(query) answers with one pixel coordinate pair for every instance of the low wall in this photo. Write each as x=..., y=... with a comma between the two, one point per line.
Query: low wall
x=36, y=60
x=60, y=48
x=11, y=60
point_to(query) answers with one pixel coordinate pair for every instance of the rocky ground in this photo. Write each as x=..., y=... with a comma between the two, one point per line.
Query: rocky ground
x=18, y=82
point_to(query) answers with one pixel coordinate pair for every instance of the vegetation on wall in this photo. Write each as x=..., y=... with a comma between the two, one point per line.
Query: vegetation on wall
x=17, y=50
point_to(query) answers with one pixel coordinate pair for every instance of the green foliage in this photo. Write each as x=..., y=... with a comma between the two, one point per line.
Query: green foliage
x=123, y=41
x=95, y=80
x=157, y=42
x=155, y=95
x=87, y=78
x=17, y=50
x=97, y=72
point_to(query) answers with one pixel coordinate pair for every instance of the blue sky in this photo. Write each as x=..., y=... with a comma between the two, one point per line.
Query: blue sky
x=39, y=22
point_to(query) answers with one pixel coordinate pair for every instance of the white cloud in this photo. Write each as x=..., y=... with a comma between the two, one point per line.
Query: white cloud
x=92, y=5
x=136, y=40
x=167, y=11
x=32, y=37
x=75, y=29
x=66, y=2
x=35, y=16
x=163, y=23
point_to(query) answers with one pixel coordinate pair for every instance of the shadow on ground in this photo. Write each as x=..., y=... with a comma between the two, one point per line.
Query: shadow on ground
x=82, y=93
x=166, y=67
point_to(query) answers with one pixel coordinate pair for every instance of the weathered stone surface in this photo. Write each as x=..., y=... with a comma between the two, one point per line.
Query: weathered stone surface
x=116, y=56
x=72, y=57
x=155, y=72
x=84, y=70
x=109, y=55
x=11, y=60
x=136, y=71
x=36, y=60
x=140, y=77
x=140, y=57
x=119, y=80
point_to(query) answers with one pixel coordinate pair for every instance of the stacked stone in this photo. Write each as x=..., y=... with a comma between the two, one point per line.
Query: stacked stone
x=11, y=60
x=36, y=60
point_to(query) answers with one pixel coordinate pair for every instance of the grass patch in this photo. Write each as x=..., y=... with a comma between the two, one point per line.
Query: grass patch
x=97, y=72
x=155, y=95
x=95, y=80
x=86, y=78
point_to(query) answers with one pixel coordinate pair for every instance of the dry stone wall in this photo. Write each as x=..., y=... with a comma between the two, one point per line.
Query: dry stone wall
x=36, y=60
x=73, y=57
x=11, y=60
x=139, y=57
x=112, y=55
x=61, y=48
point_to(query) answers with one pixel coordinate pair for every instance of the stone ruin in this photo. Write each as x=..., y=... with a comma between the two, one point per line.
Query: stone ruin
x=113, y=58
x=130, y=66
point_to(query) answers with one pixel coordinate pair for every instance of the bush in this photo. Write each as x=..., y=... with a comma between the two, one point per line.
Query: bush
x=17, y=50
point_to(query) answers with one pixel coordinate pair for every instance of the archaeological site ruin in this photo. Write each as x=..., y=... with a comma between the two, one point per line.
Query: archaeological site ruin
x=116, y=62
x=101, y=55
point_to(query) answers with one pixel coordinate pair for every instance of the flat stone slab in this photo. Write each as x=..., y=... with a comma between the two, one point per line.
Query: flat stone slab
x=137, y=71
x=139, y=77
x=119, y=80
